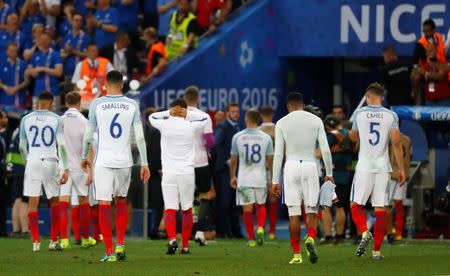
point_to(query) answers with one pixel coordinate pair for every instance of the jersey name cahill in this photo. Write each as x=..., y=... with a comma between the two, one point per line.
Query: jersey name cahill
x=374, y=124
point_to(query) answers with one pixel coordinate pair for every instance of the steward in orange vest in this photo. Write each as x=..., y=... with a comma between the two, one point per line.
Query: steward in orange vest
x=156, y=58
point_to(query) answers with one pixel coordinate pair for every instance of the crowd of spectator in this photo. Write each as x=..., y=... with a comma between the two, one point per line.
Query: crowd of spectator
x=50, y=45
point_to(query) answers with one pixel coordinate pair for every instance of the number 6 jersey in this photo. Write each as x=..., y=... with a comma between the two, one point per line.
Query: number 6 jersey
x=114, y=116
x=252, y=146
x=374, y=124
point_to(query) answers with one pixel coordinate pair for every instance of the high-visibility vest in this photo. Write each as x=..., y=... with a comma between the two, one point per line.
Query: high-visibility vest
x=95, y=77
x=435, y=90
x=159, y=48
x=440, y=46
x=178, y=35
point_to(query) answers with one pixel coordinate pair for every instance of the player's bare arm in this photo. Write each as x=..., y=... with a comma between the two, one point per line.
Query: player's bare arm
x=269, y=165
x=398, y=152
x=233, y=167
x=90, y=175
x=326, y=154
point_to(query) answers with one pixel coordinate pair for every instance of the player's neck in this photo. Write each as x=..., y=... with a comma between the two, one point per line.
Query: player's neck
x=252, y=126
x=114, y=93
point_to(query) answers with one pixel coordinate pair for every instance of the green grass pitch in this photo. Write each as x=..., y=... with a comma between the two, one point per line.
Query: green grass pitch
x=225, y=257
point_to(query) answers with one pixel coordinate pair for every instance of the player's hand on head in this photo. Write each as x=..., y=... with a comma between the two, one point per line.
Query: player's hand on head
x=233, y=182
x=145, y=174
x=65, y=177
x=276, y=190
x=85, y=165
x=329, y=178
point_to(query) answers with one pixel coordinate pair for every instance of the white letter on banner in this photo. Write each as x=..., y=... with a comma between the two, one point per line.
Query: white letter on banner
x=436, y=8
x=234, y=95
x=379, y=31
x=348, y=18
x=395, y=18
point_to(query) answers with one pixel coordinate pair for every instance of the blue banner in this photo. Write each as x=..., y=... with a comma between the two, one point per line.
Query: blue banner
x=356, y=28
x=237, y=64
x=423, y=113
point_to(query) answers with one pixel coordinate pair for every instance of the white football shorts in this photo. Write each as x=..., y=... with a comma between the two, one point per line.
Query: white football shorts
x=41, y=173
x=77, y=180
x=395, y=191
x=301, y=183
x=178, y=190
x=109, y=182
x=250, y=195
x=369, y=184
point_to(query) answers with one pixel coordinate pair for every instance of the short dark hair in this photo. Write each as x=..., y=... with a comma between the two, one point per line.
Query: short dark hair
x=121, y=35
x=389, y=49
x=429, y=22
x=230, y=105
x=294, y=97
x=114, y=77
x=339, y=106
x=253, y=115
x=179, y=102
x=375, y=88
x=46, y=96
x=191, y=93
x=266, y=111
x=91, y=45
x=72, y=98
x=331, y=121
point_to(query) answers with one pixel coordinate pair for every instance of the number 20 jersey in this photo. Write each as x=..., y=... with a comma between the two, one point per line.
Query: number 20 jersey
x=114, y=117
x=252, y=146
x=374, y=124
x=40, y=128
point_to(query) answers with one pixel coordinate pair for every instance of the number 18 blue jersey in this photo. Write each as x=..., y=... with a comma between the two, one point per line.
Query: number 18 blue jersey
x=252, y=146
x=374, y=124
x=114, y=117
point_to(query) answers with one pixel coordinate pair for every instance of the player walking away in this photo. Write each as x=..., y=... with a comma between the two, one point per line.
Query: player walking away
x=204, y=141
x=397, y=192
x=373, y=125
x=255, y=151
x=298, y=134
x=114, y=115
x=268, y=127
x=178, y=134
x=40, y=135
x=74, y=126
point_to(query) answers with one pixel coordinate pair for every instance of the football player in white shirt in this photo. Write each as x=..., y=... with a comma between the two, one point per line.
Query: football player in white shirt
x=255, y=152
x=114, y=115
x=204, y=141
x=373, y=126
x=298, y=133
x=74, y=126
x=178, y=128
x=41, y=142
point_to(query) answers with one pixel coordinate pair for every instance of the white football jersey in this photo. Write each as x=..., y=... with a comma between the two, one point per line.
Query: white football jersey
x=252, y=146
x=114, y=116
x=177, y=140
x=73, y=127
x=200, y=154
x=374, y=124
x=40, y=129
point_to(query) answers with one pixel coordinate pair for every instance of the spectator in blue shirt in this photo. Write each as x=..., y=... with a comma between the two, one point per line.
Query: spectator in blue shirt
x=31, y=46
x=11, y=34
x=151, y=15
x=165, y=9
x=74, y=45
x=5, y=10
x=12, y=78
x=51, y=9
x=29, y=16
x=85, y=7
x=105, y=23
x=65, y=26
x=45, y=67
